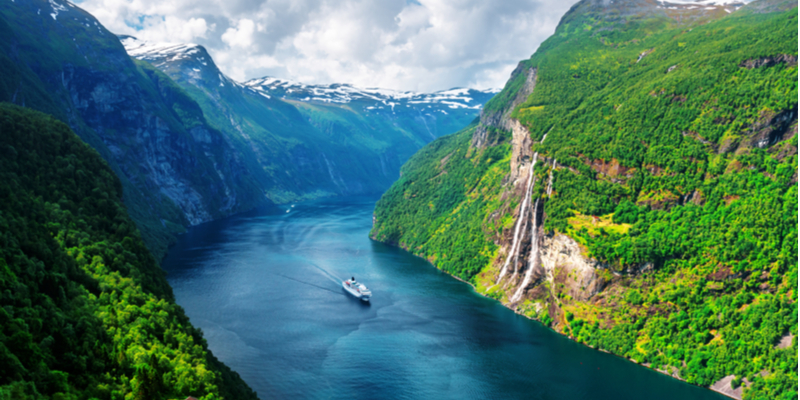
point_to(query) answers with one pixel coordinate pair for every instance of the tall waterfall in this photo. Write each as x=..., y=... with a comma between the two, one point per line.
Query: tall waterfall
x=522, y=216
x=550, y=182
x=534, y=256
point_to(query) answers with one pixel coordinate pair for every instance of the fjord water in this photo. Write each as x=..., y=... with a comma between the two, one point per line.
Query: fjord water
x=265, y=288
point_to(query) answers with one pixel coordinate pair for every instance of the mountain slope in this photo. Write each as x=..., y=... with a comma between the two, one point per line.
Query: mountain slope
x=86, y=312
x=634, y=186
x=175, y=168
x=306, y=141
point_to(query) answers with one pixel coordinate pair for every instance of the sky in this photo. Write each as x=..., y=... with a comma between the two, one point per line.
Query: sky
x=415, y=45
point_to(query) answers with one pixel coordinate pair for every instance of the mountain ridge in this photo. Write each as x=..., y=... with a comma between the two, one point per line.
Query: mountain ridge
x=294, y=136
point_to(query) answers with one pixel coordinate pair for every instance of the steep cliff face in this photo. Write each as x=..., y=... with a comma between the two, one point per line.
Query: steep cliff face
x=176, y=169
x=305, y=141
x=617, y=188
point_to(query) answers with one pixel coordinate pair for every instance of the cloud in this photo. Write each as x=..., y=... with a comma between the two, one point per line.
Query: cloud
x=422, y=45
x=242, y=35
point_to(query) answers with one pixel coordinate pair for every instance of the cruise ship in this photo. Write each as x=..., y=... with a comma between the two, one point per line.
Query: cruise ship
x=357, y=289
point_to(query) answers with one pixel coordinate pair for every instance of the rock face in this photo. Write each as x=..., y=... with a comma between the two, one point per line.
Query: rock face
x=304, y=141
x=724, y=386
x=176, y=169
x=562, y=262
x=501, y=118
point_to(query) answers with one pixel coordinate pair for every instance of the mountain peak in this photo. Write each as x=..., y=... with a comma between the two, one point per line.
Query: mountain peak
x=370, y=98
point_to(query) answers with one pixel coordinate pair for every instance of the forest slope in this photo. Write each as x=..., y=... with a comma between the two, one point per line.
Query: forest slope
x=85, y=311
x=661, y=219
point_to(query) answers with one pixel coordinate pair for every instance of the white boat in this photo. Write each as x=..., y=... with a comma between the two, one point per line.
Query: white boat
x=357, y=289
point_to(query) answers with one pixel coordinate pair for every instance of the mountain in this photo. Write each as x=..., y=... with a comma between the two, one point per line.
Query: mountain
x=306, y=141
x=86, y=312
x=366, y=100
x=176, y=169
x=634, y=187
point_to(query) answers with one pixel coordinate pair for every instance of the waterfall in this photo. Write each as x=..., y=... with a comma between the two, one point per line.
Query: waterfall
x=550, y=183
x=533, y=256
x=522, y=215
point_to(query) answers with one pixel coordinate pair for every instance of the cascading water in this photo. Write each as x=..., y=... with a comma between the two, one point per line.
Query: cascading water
x=550, y=182
x=522, y=215
x=534, y=256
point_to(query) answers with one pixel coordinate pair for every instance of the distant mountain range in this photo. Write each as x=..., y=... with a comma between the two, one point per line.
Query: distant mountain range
x=305, y=141
x=190, y=144
x=163, y=55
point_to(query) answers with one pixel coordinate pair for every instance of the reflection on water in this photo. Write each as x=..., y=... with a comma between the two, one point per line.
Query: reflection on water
x=265, y=287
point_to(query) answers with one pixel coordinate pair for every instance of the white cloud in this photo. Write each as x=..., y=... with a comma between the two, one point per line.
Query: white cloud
x=420, y=45
x=241, y=36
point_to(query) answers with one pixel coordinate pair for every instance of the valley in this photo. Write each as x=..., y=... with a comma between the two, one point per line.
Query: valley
x=631, y=190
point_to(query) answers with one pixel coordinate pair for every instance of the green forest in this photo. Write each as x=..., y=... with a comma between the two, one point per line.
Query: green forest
x=85, y=310
x=674, y=144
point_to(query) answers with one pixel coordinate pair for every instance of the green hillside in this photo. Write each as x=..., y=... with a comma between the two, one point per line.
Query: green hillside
x=672, y=144
x=296, y=142
x=85, y=311
x=175, y=168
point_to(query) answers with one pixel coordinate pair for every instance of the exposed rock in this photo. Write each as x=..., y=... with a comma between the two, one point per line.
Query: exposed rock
x=501, y=118
x=521, y=154
x=721, y=274
x=788, y=59
x=561, y=255
x=771, y=128
x=785, y=342
x=724, y=386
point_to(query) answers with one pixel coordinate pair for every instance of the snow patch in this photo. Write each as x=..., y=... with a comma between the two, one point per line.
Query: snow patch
x=56, y=8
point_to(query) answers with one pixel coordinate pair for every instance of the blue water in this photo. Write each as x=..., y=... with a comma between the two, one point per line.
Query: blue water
x=265, y=288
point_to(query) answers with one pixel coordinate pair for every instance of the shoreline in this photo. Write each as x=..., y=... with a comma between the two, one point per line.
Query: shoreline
x=475, y=290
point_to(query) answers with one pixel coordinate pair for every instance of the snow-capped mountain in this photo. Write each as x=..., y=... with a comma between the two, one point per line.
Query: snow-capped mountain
x=305, y=141
x=728, y=6
x=195, y=63
x=373, y=98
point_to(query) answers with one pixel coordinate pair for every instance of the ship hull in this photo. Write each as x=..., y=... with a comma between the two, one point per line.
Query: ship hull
x=353, y=292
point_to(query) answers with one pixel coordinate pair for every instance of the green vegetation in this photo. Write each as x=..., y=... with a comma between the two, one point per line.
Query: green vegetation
x=443, y=188
x=85, y=311
x=143, y=124
x=674, y=148
x=305, y=149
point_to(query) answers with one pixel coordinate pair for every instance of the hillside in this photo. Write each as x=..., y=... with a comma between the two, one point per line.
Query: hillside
x=306, y=141
x=85, y=310
x=176, y=169
x=634, y=186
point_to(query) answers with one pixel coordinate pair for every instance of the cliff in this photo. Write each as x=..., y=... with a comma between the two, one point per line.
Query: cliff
x=176, y=169
x=617, y=190
x=303, y=141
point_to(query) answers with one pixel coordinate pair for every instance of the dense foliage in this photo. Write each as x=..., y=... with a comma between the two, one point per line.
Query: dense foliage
x=434, y=208
x=85, y=311
x=676, y=145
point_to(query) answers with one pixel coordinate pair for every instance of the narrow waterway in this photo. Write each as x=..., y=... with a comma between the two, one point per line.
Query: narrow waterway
x=265, y=288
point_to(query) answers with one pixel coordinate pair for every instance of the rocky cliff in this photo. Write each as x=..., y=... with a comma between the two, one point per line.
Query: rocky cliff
x=177, y=170
x=304, y=141
x=617, y=190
